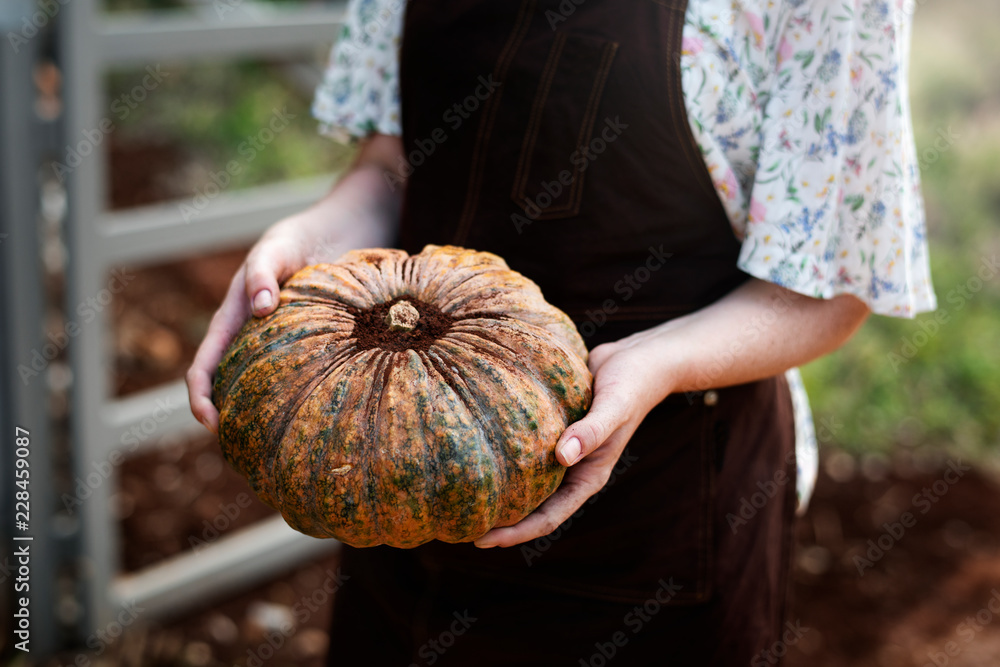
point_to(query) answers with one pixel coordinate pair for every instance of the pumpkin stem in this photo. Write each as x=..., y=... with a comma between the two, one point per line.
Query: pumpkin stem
x=402, y=316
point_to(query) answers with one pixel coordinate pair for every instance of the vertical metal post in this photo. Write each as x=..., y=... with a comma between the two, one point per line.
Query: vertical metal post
x=24, y=397
x=89, y=353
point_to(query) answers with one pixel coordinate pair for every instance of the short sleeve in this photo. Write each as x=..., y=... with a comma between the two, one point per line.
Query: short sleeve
x=835, y=204
x=359, y=94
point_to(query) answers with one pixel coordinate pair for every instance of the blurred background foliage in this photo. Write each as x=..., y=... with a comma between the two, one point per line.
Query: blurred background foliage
x=943, y=390
x=202, y=114
x=927, y=386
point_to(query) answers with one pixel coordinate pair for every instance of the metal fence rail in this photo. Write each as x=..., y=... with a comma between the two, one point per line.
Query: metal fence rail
x=99, y=241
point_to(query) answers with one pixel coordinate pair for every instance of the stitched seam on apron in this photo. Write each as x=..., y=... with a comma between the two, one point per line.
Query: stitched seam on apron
x=420, y=618
x=534, y=120
x=588, y=124
x=517, y=36
x=707, y=504
x=586, y=129
x=790, y=519
x=682, y=125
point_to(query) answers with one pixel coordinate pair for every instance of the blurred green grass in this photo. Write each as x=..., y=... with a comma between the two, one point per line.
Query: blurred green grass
x=945, y=393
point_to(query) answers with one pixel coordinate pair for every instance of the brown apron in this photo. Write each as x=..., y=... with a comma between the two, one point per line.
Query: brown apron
x=554, y=134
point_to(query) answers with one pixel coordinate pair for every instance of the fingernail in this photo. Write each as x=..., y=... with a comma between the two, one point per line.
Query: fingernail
x=571, y=450
x=262, y=300
x=485, y=545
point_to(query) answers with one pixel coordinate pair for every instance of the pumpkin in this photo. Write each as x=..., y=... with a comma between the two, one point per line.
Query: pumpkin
x=397, y=399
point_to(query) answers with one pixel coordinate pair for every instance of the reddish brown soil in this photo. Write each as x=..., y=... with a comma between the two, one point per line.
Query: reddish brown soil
x=143, y=172
x=909, y=604
x=161, y=316
x=913, y=600
x=180, y=497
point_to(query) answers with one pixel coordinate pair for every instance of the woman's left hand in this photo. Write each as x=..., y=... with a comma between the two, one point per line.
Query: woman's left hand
x=625, y=390
x=756, y=331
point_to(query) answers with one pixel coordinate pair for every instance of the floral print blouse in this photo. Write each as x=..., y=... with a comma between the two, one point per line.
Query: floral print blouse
x=801, y=111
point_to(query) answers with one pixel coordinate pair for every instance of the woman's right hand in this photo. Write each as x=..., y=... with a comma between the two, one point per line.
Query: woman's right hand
x=253, y=290
x=361, y=211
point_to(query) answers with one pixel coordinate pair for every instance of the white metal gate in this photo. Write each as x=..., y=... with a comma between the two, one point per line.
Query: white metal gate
x=98, y=241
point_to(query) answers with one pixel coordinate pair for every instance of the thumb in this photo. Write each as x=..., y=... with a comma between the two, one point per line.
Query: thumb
x=266, y=266
x=606, y=415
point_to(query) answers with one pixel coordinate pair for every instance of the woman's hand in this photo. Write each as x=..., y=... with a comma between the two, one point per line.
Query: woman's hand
x=756, y=331
x=625, y=390
x=279, y=253
x=360, y=211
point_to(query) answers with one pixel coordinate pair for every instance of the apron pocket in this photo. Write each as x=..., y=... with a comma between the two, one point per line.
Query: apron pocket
x=667, y=509
x=556, y=149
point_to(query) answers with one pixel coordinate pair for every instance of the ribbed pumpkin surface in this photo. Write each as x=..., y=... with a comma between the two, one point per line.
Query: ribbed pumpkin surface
x=356, y=427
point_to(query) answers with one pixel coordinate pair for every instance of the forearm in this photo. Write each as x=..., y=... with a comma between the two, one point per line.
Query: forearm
x=360, y=210
x=756, y=331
